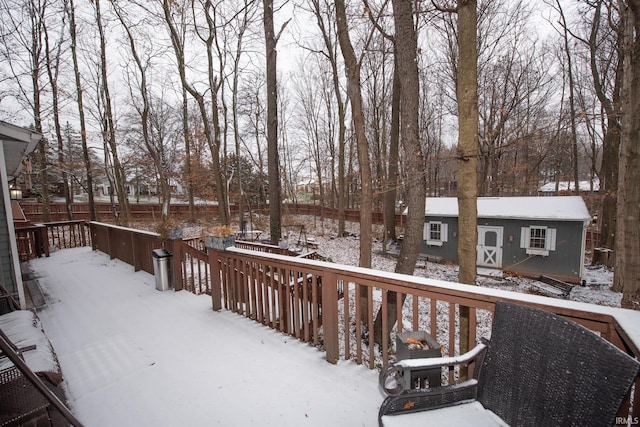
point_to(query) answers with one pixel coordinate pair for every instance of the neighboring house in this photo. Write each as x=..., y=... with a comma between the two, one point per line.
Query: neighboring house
x=567, y=187
x=16, y=143
x=532, y=236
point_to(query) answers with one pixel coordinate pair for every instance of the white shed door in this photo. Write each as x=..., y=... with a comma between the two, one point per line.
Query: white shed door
x=489, y=246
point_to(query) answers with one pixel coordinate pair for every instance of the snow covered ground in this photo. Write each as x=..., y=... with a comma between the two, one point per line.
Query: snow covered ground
x=134, y=356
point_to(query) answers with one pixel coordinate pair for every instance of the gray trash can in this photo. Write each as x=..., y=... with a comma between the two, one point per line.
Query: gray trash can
x=162, y=269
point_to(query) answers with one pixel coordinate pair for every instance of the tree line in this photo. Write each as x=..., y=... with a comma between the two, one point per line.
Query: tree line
x=374, y=103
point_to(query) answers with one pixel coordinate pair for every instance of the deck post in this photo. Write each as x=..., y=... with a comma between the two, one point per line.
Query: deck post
x=216, y=290
x=176, y=267
x=330, y=317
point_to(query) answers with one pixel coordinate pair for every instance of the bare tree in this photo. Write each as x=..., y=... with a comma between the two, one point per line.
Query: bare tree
x=138, y=83
x=605, y=42
x=324, y=20
x=355, y=95
x=23, y=25
x=109, y=131
x=627, y=270
x=215, y=81
x=273, y=160
x=79, y=100
x=406, y=48
x=572, y=104
x=52, y=55
x=252, y=109
x=248, y=13
x=212, y=135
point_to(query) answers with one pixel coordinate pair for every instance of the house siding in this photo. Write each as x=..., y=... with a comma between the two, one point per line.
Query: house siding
x=6, y=265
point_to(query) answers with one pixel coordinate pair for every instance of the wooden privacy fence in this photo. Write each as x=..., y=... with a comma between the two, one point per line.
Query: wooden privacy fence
x=148, y=211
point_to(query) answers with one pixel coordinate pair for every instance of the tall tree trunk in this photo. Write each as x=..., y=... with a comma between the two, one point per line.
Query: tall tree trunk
x=406, y=61
x=36, y=14
x=406, y=46
x=332, y=55
x=52, y=65
x=467, y=94
x=234, y=104
x=572, y=106
x=611, y=141
x=273, y=161
x=188, y=167
x=83, y=126
x=392, y=174
x=627, y=270
x=357, y=113
x=109, y=127
x=144, y=112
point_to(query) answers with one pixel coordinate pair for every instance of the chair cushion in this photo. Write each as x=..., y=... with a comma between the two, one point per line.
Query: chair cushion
x=471, y=414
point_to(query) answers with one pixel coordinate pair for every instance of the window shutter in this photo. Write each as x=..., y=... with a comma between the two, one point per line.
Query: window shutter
x=444, y=232
x=525, y=235
x=551, y=239
x=425, y=232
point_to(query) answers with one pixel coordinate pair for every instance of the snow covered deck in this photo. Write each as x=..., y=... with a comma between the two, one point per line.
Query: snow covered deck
x=133, y=356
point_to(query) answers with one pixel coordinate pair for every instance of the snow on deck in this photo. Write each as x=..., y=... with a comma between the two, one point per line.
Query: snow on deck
x=134, y=356
x=24, y=329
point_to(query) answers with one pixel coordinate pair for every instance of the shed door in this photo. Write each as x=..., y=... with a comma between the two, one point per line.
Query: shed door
x=489, y=246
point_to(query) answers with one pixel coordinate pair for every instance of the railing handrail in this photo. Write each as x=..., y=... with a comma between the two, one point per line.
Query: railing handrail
x=120, y=227
x=622, y=319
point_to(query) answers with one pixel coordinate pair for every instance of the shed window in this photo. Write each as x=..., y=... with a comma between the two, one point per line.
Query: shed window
x=435, y=233
x=537, y=240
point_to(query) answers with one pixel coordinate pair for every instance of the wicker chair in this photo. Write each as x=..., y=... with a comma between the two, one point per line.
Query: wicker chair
x=538, y=369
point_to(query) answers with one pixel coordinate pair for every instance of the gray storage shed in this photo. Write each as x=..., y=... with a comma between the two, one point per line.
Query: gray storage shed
x=532, y=236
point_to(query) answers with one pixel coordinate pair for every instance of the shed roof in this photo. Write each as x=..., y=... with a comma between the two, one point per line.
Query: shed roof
x=18, y=142
x=561, y=208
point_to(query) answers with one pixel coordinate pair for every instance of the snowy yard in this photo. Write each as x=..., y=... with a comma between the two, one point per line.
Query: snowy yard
x=346, y=250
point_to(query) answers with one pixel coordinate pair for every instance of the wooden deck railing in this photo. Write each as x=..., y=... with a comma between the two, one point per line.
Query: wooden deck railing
x=39, y=240
x=32, y=242
x=334, y=307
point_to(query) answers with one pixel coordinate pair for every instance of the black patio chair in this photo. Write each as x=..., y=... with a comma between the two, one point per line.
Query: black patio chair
x=538, y=369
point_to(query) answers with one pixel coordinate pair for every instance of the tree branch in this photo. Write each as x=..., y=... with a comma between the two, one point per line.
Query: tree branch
x=282, y=30
x=444, y=9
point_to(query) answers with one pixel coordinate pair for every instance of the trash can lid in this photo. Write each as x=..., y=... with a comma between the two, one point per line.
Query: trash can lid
x=161, y=253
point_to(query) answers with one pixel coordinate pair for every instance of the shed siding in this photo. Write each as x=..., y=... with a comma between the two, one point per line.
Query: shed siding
x=565, y=261
x=449, y=249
